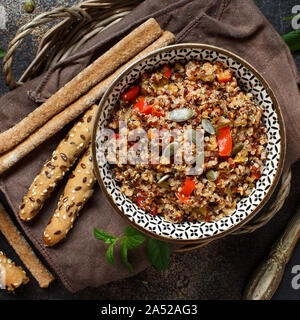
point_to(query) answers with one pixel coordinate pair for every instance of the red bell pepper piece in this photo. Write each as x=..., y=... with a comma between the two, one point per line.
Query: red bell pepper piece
x=131, y=93
x=153, y=211
x=188, y=187
x=186, y=190
x=142, y=106
x=167, y=72
x=225, y=142
x=146, y=109
x=140, y=202
x=141, y=199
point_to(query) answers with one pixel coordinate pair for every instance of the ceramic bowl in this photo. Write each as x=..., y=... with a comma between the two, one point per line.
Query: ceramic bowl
x=250, y=81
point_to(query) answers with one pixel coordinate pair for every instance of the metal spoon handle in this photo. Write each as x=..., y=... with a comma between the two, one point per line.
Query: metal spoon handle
x=267, y=276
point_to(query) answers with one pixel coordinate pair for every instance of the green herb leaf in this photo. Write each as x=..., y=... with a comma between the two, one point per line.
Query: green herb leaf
x=292, y=39
x=103, y=236
x=291, y=18
x=2, y=53
x=110, y=254
x=158, y=253
x=134, y=238
x=131, y=231
x=123, y=247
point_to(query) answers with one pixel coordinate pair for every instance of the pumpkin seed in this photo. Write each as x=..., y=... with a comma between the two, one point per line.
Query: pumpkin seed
x=223, y=122
x=163, y=179
x=203, y=211
x=211, y=175
x=170, y=149
x=237, y=148
x=207, y=126
x=29, y=6
x=180, y=115
x=165, y=185
x=200, y=213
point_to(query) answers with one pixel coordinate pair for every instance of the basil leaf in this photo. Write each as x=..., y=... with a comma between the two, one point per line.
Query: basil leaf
x=134, y=238
x=131, y=231
x=134, y=241
x=2, y=53
x=158, y=253
x=110, y=254
x=123, y=248
x=292, y=39
x=103, y=236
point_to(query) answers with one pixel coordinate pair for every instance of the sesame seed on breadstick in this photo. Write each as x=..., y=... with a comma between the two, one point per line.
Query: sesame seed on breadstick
x=53, y=171
x=120, y=53
x=78, y=190
x=11, y=276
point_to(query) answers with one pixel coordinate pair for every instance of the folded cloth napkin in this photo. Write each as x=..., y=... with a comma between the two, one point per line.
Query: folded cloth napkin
x=236, y=25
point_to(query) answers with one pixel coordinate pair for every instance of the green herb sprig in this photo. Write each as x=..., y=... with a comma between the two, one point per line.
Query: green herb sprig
x=292, y=38
x=2, y=53
x=158, y=252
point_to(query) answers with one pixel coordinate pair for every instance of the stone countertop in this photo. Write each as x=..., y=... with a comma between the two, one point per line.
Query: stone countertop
x=219, y=270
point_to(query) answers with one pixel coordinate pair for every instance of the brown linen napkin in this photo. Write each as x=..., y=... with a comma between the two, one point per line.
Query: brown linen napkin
x=235, y=25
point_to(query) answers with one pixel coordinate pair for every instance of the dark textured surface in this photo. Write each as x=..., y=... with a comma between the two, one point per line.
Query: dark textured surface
x=219, y=270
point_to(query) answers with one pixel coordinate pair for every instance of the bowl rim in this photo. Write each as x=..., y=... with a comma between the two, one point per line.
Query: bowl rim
x=282, y=132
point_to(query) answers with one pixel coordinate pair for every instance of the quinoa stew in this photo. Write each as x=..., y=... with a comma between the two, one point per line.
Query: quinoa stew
x=193, y=99
x=188, y=143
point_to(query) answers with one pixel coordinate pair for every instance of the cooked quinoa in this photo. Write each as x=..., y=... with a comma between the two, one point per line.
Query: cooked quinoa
x=208, y=97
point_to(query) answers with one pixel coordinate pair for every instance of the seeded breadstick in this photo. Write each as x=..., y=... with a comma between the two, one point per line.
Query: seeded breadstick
x=120, y=53
x=54, y=125
x=78, y=190
x=166, y=39
x=53, y=171
x=23, y=250
x=11, y=275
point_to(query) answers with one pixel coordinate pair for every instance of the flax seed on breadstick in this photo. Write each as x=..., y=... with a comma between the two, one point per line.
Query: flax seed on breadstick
x=78, y=190
x=74, y=110
x=11, y=275
x=120, y=53
x=37, y=138
x=53, y=171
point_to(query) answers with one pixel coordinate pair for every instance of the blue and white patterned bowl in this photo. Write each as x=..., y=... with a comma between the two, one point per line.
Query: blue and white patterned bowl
x=248, y=79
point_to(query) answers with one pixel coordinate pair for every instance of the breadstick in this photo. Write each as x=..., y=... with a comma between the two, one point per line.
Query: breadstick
x=78, y=190
x=53, y=171
x=11, y=275
x=74, y=110
x=23, y=250
x=166, y=39
x=120, y=53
